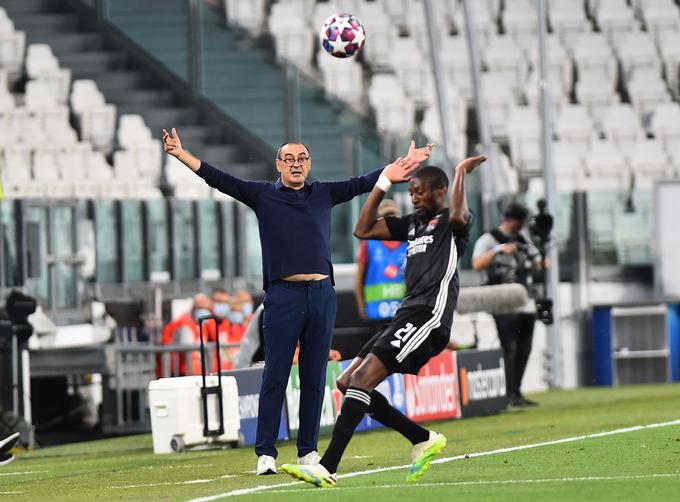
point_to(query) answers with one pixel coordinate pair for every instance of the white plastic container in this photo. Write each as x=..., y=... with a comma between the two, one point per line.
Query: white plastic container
x=177, y=413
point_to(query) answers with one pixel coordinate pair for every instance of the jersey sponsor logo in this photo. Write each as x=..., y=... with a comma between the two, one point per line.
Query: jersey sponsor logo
x=391, y=271
x=402, y=335
x=418, y=245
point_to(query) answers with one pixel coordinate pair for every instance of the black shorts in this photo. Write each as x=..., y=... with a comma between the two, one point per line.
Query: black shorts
x=408, y=341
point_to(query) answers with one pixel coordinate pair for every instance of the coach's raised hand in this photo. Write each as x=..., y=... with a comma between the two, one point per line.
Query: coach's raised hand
x=173, y=146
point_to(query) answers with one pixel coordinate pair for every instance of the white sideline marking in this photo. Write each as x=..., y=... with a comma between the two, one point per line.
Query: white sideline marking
x=247, y=491
x=11, y=493
x=488, y=482
x=170, y=483
x=19, y=473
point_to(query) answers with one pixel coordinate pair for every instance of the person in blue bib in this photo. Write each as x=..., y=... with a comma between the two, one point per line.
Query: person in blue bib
x=380, y=284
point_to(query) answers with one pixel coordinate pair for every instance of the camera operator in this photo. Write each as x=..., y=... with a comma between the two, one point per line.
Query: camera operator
x=507, y=256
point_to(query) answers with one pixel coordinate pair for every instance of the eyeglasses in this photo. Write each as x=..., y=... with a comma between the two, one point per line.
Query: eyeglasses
x=291, y=161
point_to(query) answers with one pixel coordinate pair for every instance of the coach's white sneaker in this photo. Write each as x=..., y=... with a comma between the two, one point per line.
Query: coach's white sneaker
x=311, y=458
x=266, y=465
x=423, y=453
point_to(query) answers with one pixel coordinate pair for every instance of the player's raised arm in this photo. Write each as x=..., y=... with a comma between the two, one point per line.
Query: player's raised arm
x=369, y=226
x=459, y=214
x=173, y=146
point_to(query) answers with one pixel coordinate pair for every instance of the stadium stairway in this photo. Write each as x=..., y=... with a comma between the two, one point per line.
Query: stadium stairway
x=130, y=88
x=241, y=77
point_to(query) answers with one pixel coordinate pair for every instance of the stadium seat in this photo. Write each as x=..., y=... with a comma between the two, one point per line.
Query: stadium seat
x=12, y=45
x=291, y=42
x=558, y=96
x=455, y=63
x=411, y=67
x=665, y=125
x=394, y=111
x=568, y=21
x=416, y=23
x=342, y=79
x=621, y=124
x=247, y=14
x=569, y=167
x=524, y=132
x=649, y=162
x=592, y=52
x=669, y=47
x=484, y=17
x=455, y=109
x=456, y=141
x=596, y=92
x=383, y=34
x=573, y=124
x=186, y=185
x=504, y=57
x=41, y=64
x=647, y=89
x=560, y=66
x=615, y=16
x=500, y=97
x=636, y=50
x=96, y=120
x=520, y=23
x=606, y=167
x=659, y=16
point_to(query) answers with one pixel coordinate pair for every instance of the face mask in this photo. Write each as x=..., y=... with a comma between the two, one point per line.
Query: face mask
x=222, y=310
x=247, y=309
x=198, y=313
x=236, y=317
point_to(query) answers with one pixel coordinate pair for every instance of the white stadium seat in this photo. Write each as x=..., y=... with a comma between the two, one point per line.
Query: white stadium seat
x=383, y=34
x=504, y=57
x=291, y=42
x=621, y=124
x=575, y=126
x=649, y=162
x=647, y=89
x=568, y=21
x=665, y=125
x=524, y=131
x=247, y=14
x=520, y=22
x=394, y=111
x=636, y=50
x=614, y=16
x=607, y=167
x=342, y=79
x=596, y=92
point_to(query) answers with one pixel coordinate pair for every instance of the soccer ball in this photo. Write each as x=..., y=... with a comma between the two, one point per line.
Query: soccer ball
x=342, y=35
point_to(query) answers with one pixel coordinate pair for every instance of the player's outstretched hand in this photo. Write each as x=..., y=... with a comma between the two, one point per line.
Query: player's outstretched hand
x=171, y=143
x=400, y=170
x=471, y=163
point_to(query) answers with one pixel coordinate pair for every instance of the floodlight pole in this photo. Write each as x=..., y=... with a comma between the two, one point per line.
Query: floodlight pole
x=439, y=86
x=556, y=363
x=491, y=172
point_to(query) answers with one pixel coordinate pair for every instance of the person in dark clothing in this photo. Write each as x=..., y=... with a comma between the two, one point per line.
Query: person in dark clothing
x=437, y=236
x=506, y=256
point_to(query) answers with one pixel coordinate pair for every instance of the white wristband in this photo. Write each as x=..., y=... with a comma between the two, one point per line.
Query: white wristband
x=383, y=183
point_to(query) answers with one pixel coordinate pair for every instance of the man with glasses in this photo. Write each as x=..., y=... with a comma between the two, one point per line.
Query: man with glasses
x=294, y=220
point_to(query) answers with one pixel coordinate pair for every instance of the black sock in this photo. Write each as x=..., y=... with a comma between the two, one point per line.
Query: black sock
x=353, y=409
x=391, y=417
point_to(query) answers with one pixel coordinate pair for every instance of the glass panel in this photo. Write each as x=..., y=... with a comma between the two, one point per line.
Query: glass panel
x=209, y=235
x=39, y=286
x=620, y=226
x=229, y=266
x=161, y=31
x=64, y=245
x=253, y=249
x=157, y=235
x=185, y=247
x=133, y=253
x=9, y=243
x=106, y=238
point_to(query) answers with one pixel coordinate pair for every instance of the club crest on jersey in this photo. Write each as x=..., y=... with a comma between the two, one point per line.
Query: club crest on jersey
x=432, y=223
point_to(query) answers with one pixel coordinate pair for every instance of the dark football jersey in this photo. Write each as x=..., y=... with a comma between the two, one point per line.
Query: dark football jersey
x=434, y=249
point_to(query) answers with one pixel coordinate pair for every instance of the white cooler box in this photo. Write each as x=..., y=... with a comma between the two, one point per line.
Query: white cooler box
x=177, y=412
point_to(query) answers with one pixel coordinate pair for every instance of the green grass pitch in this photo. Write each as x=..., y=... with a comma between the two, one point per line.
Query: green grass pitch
x=635, y=465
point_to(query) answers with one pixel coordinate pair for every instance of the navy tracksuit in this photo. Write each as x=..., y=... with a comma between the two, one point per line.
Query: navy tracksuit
x=295, y=234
